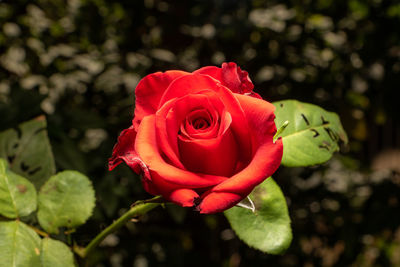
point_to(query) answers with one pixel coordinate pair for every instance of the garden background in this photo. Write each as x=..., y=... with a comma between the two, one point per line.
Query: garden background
x=78, y=62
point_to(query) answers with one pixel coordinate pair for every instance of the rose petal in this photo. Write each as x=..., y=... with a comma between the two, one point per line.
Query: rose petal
x=149, y=91
x=260, y=115
x=216, y=156
x=212, y=71
x=268, y=156
x=169, y=119
x=160, y=171
x=252, y=94
x=218, y=201
x=184, y=106
x=198, y=122
x=183, y=197
x=265, y=162
x=124, y=150
x=166, y=136
x=231, y=76
x=210, y=116
x=236, y=79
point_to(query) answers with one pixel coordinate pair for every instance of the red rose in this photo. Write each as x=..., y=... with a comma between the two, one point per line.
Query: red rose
x=200, y=139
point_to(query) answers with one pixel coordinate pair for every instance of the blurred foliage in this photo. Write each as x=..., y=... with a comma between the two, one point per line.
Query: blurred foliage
x=78, y=61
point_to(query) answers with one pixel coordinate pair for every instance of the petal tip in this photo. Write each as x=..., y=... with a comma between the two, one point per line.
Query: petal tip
x=184, y=197
x=215, y=202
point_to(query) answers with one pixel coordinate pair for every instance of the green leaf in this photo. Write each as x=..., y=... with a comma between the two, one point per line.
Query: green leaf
x=17, y=195
x=55, y=254
x=268, y=228
x=312, y=136
x=65, y=200
x=19, y=245
x=28, y=152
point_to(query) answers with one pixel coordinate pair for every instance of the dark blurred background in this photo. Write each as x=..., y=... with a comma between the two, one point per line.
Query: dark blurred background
x=78, y=62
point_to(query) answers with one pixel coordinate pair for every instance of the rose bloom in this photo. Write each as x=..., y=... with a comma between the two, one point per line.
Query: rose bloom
x=200, y=139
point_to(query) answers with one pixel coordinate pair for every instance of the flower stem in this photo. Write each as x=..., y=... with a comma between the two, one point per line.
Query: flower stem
x=138, y=208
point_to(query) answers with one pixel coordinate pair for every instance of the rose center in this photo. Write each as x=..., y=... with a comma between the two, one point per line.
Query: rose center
x=200, y=123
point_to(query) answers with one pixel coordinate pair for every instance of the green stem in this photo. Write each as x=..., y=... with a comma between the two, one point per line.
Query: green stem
x=138, y=208
x=40, y=232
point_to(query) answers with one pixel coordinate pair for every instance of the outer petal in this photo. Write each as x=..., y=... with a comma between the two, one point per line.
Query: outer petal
x=212, y=71
x=218, y=201
x=253, y=94
x=231, y=76
x=183, y=197
x=165, y=176
x=268, y=156
x=124, y=150
x=149, y=91
x=265, y=162
x=260, y=115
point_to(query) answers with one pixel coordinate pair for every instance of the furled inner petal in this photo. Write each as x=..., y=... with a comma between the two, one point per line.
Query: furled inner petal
x=198, y=84
x=216, y=156
x=196, y=127
x=200, y=124
x=172, y=115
